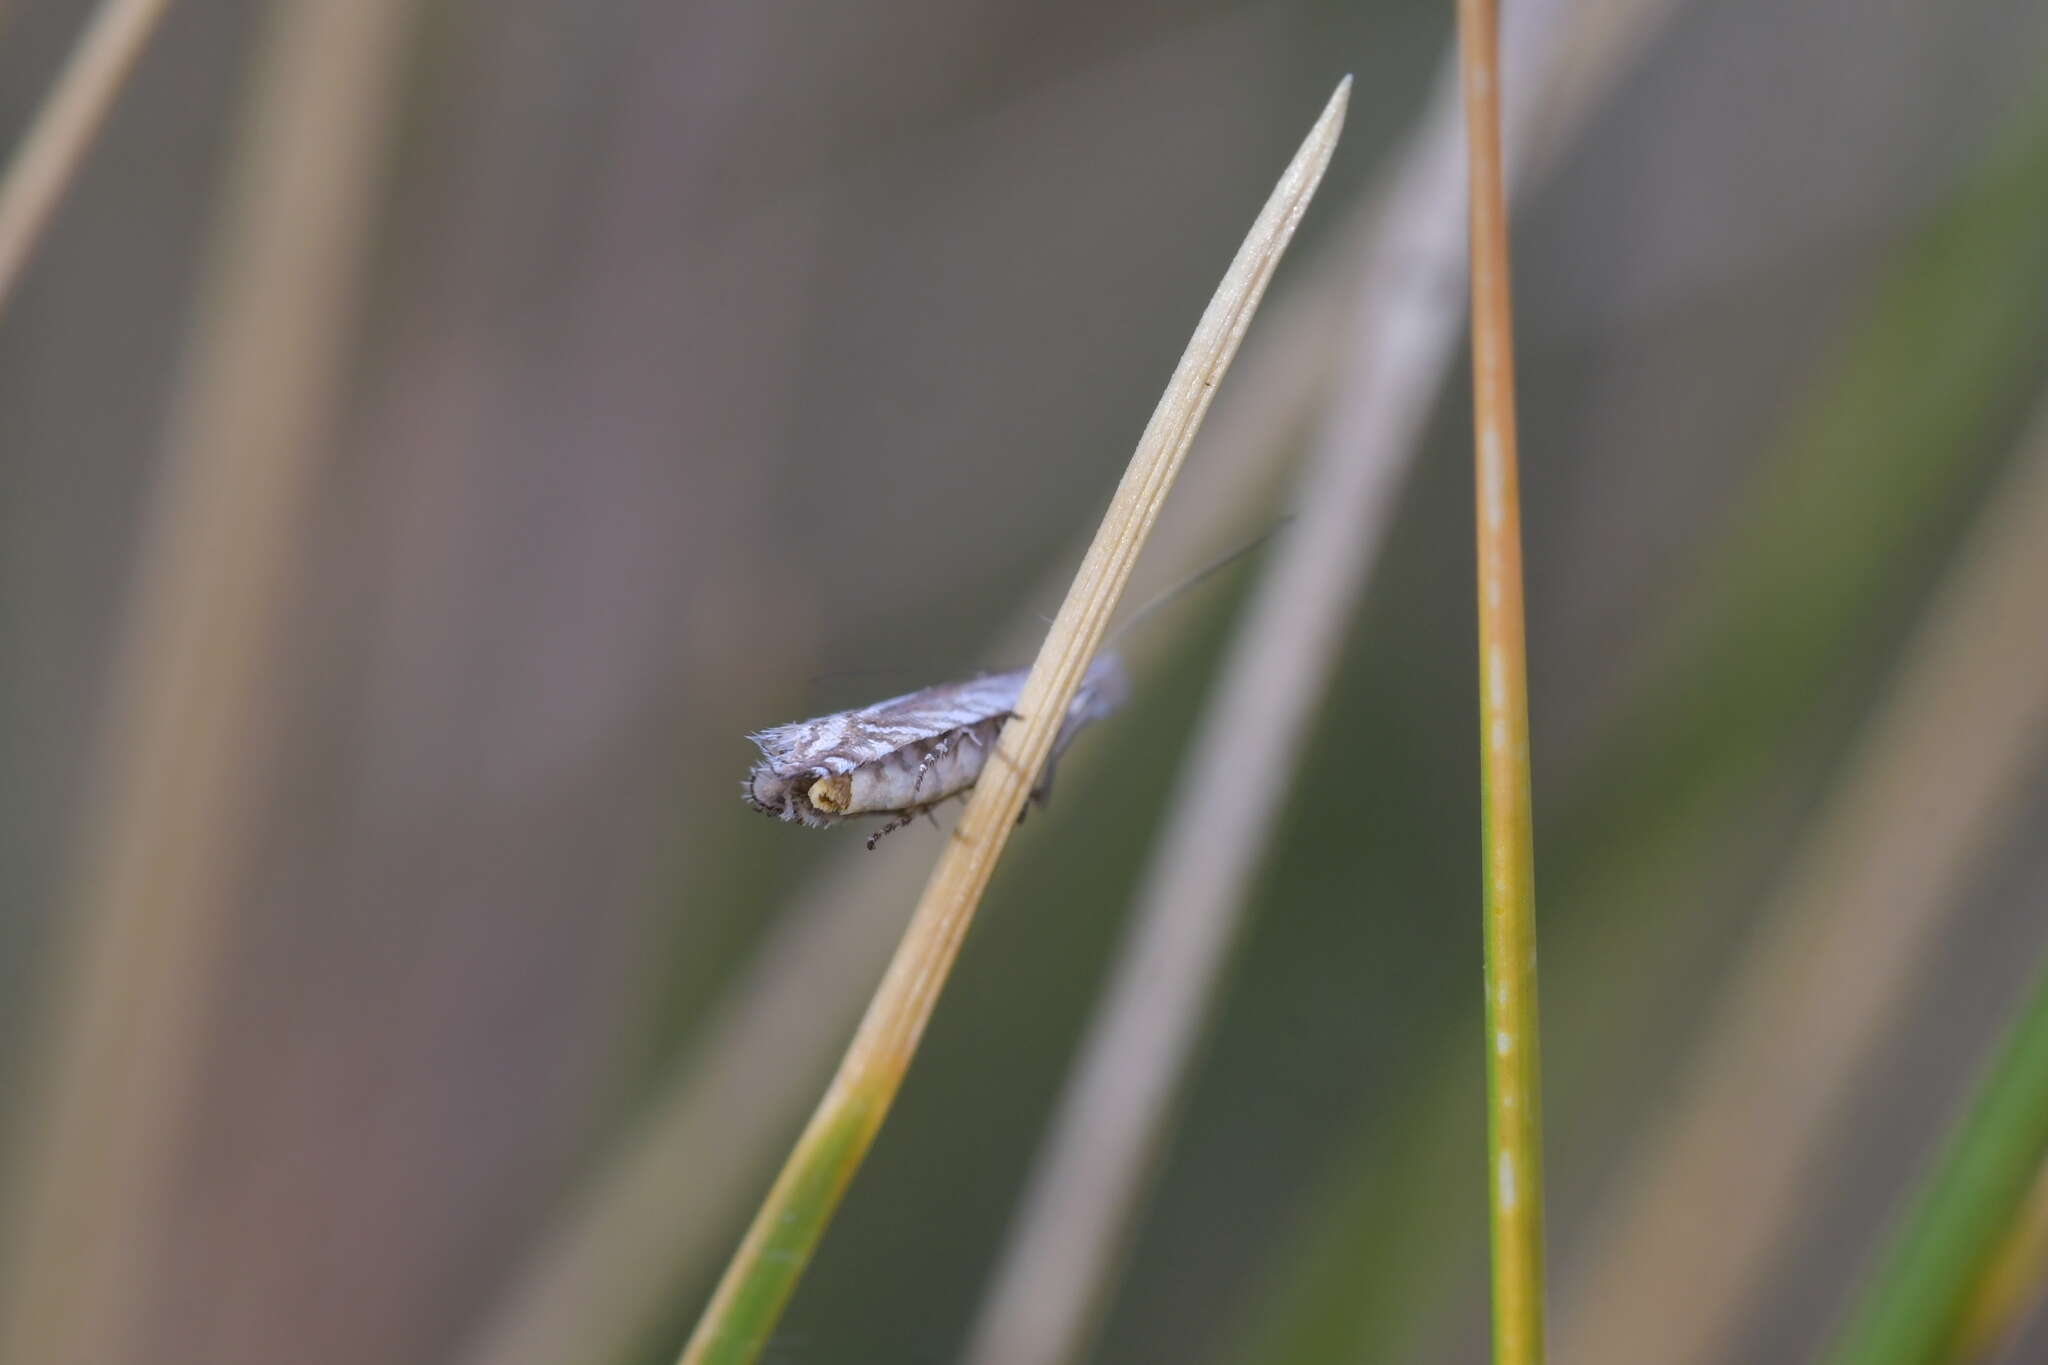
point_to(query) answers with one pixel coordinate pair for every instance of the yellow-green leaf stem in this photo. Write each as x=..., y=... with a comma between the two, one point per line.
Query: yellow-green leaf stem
x=1513, y=1072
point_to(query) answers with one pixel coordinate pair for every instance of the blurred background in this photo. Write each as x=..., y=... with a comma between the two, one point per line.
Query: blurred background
x=678, y=370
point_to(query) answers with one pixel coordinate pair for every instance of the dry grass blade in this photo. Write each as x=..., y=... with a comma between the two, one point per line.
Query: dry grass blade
x=183, y=779
x=49, y=157
x=764, y=1272
x=1787, y=1049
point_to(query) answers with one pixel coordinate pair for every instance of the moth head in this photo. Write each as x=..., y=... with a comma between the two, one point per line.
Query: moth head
x=787, y=795
x=768, y=791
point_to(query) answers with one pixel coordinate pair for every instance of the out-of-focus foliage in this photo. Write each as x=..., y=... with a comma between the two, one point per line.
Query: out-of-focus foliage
x=1915, y=1308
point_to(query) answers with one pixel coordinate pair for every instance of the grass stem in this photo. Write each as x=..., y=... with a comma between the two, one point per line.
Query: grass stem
x=1514, y=1098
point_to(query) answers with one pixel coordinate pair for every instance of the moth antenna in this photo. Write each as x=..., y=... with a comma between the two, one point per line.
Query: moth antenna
x=1188, y=585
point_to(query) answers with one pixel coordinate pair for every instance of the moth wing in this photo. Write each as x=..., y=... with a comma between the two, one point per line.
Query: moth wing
x=844, y=741
x=1103, y=690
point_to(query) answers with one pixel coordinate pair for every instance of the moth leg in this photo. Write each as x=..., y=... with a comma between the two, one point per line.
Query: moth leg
x=896, y=822
x=1042, y=793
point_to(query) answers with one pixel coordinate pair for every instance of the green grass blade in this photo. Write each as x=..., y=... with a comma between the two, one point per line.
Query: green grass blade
x=1912, y=1310
x=2012, y=1283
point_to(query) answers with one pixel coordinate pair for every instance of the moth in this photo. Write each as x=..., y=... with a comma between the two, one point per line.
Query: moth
x=903, y=756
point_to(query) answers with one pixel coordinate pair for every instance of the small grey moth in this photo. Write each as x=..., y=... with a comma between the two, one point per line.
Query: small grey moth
x=903, y=756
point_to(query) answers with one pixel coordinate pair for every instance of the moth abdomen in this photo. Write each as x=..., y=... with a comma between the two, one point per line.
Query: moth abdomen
x=918, y=774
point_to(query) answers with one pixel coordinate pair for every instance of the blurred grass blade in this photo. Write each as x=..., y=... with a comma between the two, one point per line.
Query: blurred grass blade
x=183, y=780
x=1514, y=1125
x=2012, y=1283
x=764, y=1272
x=1058, y=1268
x=48, y=159
x=1912, y=1310
x=1842, y=943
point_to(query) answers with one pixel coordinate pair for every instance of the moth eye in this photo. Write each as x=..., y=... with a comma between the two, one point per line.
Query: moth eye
x=832, y=794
